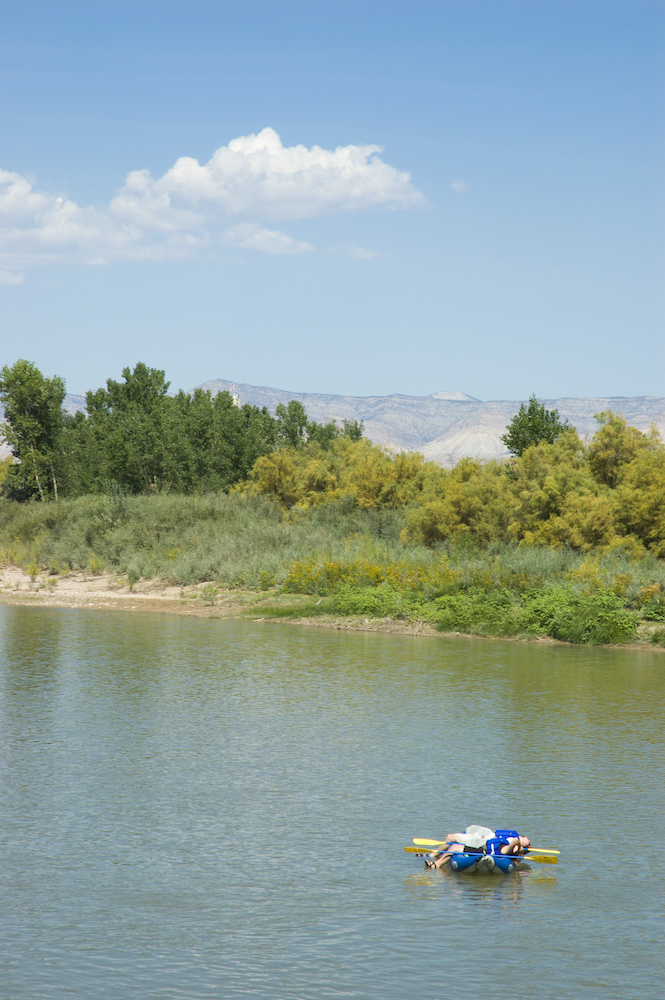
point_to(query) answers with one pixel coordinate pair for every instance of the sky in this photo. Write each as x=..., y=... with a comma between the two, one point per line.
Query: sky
x=340, y=196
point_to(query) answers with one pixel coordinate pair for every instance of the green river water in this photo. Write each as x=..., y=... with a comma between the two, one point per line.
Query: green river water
x=216, y=809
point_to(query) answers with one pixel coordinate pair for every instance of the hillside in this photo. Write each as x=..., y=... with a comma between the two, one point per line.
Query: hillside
x=445, y=426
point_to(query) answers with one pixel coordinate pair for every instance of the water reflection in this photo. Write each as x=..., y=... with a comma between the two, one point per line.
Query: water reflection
x=477, y=888
x=207, y=808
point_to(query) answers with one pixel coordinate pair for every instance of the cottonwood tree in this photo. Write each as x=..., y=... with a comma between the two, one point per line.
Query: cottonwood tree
x=33, y=430
x=294, y=430
x=531, y=425
x=130, y=418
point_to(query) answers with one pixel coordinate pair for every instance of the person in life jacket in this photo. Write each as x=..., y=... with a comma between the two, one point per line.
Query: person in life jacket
x=480, y=840
x=507, y=842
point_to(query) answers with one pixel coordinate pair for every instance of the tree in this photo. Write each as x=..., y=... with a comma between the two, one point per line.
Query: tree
x=33, y=430
x=128, y=419
x=291, y=424
x=294, y=430
x=531, y=425
x=615, y=445
x=353, y=429
x=213, y=441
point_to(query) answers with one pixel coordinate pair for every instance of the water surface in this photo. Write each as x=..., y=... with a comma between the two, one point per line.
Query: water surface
x=194, y=808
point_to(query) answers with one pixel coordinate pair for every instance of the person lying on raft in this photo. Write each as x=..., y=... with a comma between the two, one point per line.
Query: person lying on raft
x=480, y=840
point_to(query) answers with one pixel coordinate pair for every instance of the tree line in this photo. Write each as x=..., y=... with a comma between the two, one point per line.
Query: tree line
x=134, y=437
x=555, y=491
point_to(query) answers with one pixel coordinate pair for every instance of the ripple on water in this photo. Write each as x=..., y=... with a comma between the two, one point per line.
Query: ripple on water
x=199, y=808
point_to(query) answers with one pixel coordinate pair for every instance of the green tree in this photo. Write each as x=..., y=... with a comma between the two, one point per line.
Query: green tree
x=5, y=466
x=614, y=446
x=292, y=424
x=294, y=430
x=353, y=429
x=531, y=425
x=128, y=424
x=214, y=442
x=33, y=430
x=323, y=434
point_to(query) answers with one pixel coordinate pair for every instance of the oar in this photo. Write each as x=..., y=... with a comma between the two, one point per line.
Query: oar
x=422, y=851
x=442, y=843
x=543, y=859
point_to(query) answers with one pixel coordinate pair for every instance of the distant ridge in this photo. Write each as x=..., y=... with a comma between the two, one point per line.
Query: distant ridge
x=445, y=426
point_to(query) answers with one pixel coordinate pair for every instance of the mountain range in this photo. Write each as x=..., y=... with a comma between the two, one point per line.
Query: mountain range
x=443, y=427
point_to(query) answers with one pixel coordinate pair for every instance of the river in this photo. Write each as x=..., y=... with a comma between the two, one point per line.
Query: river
x=193, y=808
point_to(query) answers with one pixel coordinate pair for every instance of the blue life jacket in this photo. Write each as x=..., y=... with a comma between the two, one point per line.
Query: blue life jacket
x=499, y=840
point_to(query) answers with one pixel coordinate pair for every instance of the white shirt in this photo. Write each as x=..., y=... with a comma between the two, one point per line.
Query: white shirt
x=474, y=836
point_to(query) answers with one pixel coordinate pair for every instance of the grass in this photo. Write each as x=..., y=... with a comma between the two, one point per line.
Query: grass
x=342, y=561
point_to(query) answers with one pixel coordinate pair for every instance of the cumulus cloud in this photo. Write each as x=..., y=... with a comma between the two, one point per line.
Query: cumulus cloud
x=193, y=206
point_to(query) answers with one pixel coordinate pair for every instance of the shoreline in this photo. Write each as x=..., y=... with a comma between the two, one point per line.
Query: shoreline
x=108, y=591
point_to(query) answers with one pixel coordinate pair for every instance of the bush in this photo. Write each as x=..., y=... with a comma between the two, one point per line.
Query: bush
x=654, y=610
x=479, y=611
x=555, y=611
x=544, y=609
x=353, y=559
x=594, y=619
x=376, y=602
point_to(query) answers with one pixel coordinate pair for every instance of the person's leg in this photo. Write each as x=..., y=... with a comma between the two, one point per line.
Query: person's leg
x=444, y=858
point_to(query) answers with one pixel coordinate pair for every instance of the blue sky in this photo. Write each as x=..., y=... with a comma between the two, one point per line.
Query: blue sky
x=507, y=238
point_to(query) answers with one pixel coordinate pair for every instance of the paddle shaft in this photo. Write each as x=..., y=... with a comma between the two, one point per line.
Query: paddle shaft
x=542, y=859
x=442, y=843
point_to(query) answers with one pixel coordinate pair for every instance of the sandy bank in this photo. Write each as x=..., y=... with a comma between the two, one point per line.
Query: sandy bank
x=208, y=600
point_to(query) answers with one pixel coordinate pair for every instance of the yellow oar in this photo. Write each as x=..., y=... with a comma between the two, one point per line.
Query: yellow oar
x=543, y=859
x=442, y=843
x=432, y=843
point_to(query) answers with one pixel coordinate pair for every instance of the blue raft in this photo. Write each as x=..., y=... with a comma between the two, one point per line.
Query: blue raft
x=490, y=864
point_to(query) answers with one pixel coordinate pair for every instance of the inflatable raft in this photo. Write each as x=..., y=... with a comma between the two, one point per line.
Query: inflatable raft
x=489, y=864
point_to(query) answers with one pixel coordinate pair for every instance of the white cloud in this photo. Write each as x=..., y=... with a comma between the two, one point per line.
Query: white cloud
x=360, y=253
x=193, y=206
x=460, y=186
x=252, y=237
x=11, y=278
x=256, y=176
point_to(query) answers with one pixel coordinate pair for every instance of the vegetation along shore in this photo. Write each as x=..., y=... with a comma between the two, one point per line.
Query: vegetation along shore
x=215, y=508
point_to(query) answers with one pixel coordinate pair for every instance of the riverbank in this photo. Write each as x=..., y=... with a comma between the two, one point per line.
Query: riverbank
x=107, y=591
